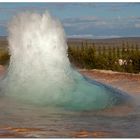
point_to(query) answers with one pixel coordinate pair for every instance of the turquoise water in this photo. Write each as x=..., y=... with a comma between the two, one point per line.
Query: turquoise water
x=21, y=119
x=82, y=94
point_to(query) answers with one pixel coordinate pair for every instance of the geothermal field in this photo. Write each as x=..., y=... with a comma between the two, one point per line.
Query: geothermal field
x=43, y=95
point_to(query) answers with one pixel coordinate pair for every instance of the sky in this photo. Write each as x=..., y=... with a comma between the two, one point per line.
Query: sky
x=86, y=20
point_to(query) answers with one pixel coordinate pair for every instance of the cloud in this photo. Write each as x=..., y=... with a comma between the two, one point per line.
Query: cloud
x=3, y=23
x=137, y=25
x=81, y=36
x=14, y=10
x=91, y=36
x=96, y=23
x=95, y=27
x=80, y=19
x=117, y=7
x=84, y=22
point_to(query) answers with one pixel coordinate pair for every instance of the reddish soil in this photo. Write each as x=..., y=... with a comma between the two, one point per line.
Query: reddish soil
x=124, y=81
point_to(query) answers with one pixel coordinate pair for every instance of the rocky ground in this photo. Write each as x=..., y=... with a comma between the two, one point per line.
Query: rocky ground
x=125, y=81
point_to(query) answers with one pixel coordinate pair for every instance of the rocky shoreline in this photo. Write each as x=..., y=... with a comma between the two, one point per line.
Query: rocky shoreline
x=125, y=81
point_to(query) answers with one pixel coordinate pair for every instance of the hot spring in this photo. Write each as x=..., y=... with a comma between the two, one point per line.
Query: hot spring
x=40, y=72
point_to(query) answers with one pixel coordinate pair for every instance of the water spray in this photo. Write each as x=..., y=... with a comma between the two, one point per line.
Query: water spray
x=40, y=72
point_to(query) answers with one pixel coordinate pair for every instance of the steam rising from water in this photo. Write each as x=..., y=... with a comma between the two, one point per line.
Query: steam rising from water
x=40, y=70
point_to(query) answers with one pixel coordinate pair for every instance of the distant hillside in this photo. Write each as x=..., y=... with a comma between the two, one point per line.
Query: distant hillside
x=111, y=42
x=107, y=40
x=3, y=42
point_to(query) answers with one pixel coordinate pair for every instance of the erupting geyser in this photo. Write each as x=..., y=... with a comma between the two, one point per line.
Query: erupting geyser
x=40, y=71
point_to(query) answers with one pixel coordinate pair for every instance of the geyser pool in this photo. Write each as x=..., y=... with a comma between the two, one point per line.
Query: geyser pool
x=40, y=72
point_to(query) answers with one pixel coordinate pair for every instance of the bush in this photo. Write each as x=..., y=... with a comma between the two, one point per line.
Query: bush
x=92, y=57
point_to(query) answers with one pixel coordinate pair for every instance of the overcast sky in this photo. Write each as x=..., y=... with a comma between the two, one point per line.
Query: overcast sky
x=90, y=20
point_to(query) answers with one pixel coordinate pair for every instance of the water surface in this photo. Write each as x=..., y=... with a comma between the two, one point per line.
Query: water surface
x=18, y=119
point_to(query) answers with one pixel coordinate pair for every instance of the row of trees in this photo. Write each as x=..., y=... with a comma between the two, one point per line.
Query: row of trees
x=4, y=56
x=125, y=59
